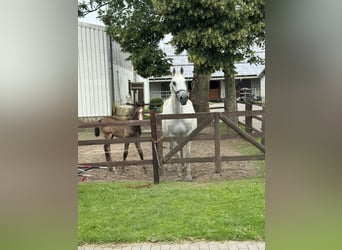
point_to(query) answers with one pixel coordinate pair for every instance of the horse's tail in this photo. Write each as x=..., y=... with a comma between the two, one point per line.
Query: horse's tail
x=97, y=130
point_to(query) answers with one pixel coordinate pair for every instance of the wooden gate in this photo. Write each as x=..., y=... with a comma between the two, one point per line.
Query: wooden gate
x=206, y=119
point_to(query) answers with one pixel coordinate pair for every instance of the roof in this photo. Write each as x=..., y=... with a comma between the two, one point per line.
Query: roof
x=244, y=70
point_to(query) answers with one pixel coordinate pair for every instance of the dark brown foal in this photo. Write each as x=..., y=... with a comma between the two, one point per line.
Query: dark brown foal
x=109, y=132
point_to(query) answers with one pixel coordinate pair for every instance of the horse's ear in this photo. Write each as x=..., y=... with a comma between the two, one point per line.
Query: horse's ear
x=174, y=71
x=182, y=70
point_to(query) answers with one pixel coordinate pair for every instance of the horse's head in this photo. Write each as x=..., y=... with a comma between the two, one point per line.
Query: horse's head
x=138, y=113
x=178, y=87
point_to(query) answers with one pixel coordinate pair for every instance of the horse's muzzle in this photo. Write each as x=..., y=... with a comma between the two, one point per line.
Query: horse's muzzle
x=183, y=97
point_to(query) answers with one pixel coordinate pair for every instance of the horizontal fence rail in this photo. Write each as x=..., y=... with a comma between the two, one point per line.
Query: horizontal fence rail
x=113, y=141
x=112, y=123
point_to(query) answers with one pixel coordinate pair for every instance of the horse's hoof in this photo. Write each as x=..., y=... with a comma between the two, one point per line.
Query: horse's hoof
x=188, y=178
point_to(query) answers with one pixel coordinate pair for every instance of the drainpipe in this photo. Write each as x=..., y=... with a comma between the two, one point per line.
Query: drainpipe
x=111, y=71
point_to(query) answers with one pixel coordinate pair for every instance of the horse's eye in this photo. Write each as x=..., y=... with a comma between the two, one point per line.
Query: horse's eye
x=174, y=83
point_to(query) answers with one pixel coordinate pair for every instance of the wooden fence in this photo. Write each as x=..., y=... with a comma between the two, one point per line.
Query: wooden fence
x=157, y=140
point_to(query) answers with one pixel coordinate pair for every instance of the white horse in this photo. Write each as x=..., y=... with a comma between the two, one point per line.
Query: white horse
x=179, y=103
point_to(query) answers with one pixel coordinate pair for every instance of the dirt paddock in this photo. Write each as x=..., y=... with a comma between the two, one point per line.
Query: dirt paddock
x=201, y=172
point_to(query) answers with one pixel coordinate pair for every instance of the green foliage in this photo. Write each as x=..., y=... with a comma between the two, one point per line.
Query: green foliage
x=230, y=210
x=157, y=101
x=215, y=33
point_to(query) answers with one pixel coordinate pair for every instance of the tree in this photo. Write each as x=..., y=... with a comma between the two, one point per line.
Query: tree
x=136, y=27
x=216, y=34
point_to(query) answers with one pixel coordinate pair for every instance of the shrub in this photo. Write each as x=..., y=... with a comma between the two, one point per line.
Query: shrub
x=157, y=102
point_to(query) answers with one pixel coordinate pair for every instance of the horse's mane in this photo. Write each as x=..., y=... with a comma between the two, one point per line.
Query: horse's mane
x=134, y=113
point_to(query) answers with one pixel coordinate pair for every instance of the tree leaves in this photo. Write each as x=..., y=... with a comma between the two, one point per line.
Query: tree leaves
x=224, y=28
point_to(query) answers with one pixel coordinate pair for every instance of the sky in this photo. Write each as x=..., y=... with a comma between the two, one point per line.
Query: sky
x=91, y=18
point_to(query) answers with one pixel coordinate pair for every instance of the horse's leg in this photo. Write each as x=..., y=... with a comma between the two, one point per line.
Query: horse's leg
x=125, y=154
x=179, y=166
x=187, y=165
x=138, y=146
x=106, y=148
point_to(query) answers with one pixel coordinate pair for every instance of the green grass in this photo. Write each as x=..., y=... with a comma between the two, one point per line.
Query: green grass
x=173, y=211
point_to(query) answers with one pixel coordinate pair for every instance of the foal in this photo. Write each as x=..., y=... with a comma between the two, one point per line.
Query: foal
x=122, y=131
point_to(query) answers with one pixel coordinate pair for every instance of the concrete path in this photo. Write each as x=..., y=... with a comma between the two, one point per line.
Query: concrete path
x=201, y=245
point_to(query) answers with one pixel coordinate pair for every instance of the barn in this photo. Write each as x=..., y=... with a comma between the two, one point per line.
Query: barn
x=248, y=76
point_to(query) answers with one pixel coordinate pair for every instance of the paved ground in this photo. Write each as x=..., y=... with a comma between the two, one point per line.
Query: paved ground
x=226, y=245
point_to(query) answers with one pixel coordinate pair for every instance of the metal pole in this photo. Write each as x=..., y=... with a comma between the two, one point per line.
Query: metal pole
x=111, y=60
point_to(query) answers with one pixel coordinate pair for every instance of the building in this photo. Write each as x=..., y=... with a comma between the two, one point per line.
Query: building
x=103, y=73
x=248, y=76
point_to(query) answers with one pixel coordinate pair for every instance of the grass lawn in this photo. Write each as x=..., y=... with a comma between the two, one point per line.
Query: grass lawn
x=172, y=211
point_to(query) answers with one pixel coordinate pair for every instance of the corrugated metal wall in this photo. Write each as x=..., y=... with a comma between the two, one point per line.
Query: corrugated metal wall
x=123, y=72
x=94, y=88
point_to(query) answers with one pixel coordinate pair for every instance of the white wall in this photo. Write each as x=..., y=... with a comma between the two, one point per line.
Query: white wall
x=94, y=97
x=262, y=86
x=222, y=90
x=121, y=78
x=146, y=88
x=255, y=85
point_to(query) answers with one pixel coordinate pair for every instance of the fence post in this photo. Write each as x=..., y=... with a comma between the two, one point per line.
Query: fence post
x=217, y=143
x=263, y=125
x=154, y=146
x=248, y=119
x=160, y=157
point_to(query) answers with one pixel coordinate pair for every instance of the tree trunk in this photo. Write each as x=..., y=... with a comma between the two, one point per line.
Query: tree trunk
x=230, y=88
x=200, y=92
